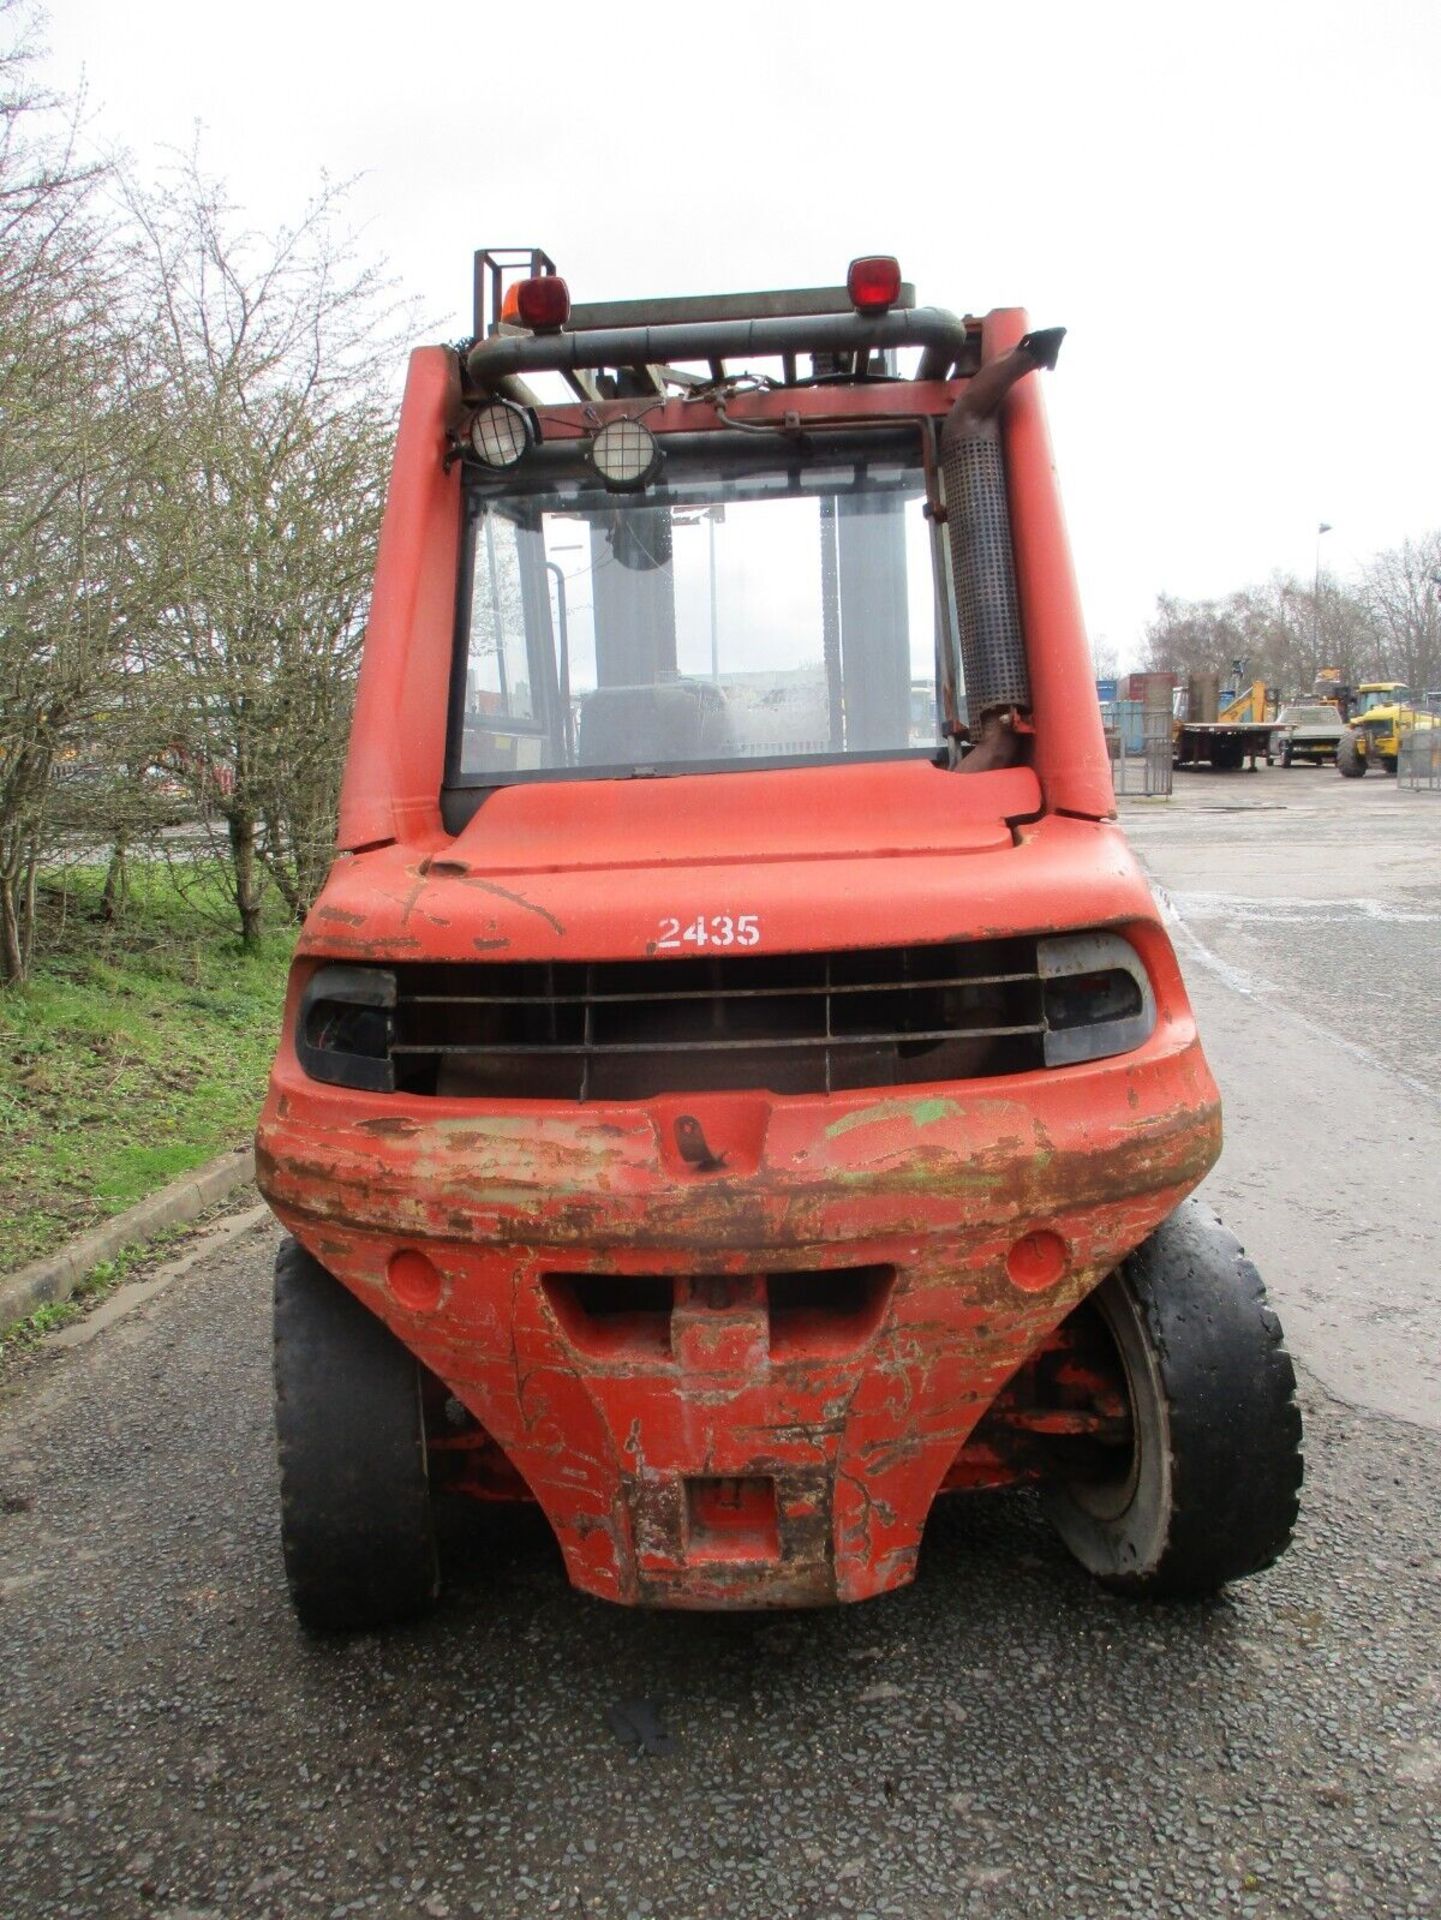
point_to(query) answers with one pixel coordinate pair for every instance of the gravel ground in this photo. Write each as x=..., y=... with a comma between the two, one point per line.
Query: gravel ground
x=1001, y=1739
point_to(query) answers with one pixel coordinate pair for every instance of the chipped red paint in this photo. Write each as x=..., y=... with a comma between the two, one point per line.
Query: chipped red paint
x=937, y=1186
x=630, y=1331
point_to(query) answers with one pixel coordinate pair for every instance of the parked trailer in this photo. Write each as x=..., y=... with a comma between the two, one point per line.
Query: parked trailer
x=1222, y=729
x=1226, y=748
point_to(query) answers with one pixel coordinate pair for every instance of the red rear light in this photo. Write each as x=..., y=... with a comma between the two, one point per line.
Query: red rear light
x=874, y=282
x=543, y=304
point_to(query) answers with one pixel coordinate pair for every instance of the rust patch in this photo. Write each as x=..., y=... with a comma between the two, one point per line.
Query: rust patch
x=798, y=1570
x=338, y=946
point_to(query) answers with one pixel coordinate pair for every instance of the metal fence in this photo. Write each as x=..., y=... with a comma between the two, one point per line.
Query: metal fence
x=1418, y=761
x=1140, y=742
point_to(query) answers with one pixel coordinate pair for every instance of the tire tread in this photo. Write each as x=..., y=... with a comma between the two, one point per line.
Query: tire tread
x=355, y=1522
x=1235, y=1423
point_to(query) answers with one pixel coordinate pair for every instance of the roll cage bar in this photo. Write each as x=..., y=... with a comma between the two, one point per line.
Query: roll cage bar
x=947, y=344
x=646, y=336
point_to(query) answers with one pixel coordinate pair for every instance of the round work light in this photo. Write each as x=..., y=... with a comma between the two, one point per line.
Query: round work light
x=626, y=455
x=500, y=435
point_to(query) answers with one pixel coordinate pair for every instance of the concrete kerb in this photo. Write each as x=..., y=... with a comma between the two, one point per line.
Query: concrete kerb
x=56, y=1277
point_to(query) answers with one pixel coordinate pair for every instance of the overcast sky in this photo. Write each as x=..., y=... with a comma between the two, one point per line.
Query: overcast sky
x=1233, y=208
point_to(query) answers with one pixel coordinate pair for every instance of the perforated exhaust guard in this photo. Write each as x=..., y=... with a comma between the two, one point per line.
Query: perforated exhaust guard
x=978, y=524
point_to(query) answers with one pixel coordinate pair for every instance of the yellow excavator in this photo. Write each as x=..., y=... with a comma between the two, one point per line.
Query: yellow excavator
x=1384, y=713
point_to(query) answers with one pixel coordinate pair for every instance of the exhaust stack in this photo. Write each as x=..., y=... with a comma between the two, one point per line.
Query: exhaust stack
x=978, y=521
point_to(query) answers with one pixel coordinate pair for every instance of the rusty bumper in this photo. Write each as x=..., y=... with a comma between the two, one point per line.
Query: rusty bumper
x=738, y=1385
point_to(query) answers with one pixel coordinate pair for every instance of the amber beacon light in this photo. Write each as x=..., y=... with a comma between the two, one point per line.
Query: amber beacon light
x=543, y=304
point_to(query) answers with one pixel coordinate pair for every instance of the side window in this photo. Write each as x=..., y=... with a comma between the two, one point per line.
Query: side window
x=503, y=726
x=498, y=684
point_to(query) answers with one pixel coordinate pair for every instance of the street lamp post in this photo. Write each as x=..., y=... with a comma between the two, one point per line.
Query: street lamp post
x=567, y=718
x=711, y=515
x=710, y=521
x=1324, y=527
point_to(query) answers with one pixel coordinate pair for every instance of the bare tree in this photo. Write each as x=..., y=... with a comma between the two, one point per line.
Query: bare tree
x=275, y=426
x=66, y=483
x=1402, y=592
x=1283, y=632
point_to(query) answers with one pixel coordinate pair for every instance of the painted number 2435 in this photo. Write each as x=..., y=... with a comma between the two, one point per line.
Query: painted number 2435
x=715, y=930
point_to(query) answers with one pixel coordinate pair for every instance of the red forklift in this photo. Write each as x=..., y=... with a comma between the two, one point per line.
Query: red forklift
x=736, y=1085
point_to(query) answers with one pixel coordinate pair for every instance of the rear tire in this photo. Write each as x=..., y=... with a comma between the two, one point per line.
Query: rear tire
x=1206, y=1492
x=355, y=1497
x=1350, y=761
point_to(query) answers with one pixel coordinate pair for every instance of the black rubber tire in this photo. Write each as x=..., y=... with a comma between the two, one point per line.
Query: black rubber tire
x=1209, y=1489
x=1288, y=755
x=1227, y=756
x=354, y=1492
x=1350, y=761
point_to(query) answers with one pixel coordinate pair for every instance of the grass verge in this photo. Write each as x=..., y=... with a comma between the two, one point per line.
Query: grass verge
x=138, y=1051
x=98, y=1285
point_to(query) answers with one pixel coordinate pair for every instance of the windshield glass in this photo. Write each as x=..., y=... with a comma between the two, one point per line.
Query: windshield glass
x=773, y=607
x=1383, y=697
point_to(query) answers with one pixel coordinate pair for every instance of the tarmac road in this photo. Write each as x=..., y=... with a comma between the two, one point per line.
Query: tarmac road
x=1001, y=1739
x=1307, y=915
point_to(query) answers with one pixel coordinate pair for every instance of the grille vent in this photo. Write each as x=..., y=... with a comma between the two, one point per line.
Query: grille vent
x=788, y=1023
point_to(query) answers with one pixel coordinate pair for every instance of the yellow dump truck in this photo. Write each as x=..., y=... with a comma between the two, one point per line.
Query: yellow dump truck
x=1385, y=713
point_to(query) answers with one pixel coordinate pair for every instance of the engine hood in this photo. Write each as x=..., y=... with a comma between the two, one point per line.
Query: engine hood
x=794, y=860
x=800, y=813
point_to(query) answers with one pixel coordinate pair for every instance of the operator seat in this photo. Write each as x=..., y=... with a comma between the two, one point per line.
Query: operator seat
x=646, y=726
